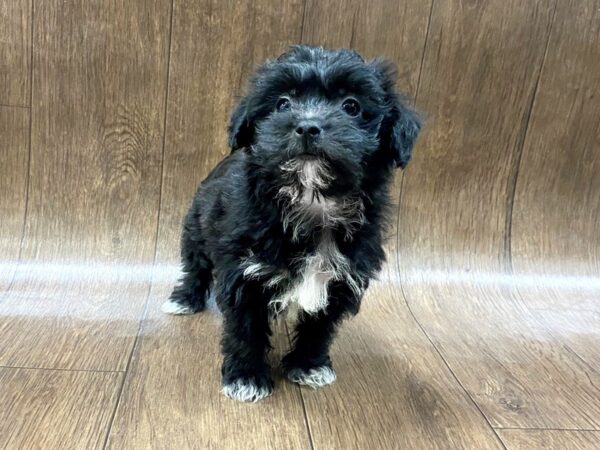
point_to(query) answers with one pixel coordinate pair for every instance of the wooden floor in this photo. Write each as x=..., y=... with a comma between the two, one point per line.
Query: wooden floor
x=484, y=329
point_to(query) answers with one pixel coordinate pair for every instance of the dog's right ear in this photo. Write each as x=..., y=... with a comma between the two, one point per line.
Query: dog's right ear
x=241, y=128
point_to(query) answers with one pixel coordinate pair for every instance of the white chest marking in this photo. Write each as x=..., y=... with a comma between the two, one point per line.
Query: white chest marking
x=309, y=291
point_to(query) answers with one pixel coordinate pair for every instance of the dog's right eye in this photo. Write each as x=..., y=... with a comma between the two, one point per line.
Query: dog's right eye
x=283, y=104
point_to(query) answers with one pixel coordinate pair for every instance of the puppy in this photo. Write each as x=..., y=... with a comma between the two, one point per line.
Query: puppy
x=294, y=217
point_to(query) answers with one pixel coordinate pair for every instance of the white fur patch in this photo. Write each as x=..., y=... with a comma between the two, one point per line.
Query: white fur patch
x=315, y=378
x=245, y=391
x=177, y=309
x=307, y=207
x=310, y=290
x=254, y=269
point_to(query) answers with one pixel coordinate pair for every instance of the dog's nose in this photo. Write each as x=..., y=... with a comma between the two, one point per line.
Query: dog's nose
x=308, y=129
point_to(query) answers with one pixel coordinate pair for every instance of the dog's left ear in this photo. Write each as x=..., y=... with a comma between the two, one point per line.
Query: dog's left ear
x=401, y=124
x=241, y=128
x=405, y=127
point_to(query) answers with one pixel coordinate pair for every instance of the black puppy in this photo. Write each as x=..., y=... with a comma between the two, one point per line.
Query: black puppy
x=295, y=216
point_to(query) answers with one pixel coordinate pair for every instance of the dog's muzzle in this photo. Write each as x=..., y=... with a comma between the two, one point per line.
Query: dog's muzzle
x=308, y=133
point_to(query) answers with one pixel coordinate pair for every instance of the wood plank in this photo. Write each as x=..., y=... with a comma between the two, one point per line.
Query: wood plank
x=477, y=90
x=72, y=316
x=406, y=396
x=393, y=390
x=100, y=71
x=44, y=409
x=15, y=52
x=172, y=397
x=518, y=372
x=550, y=439
x=556, y=218
x=330, y=24
x=560, y=158
x=14, y=147
x=375, y=28
x=204, y=82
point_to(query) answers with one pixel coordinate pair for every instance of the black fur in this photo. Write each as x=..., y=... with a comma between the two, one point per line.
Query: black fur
x=238, y=213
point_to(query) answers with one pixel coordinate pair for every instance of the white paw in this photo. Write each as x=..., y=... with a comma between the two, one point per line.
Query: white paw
x=245, y=391
x=177, y=309
x=315, y=378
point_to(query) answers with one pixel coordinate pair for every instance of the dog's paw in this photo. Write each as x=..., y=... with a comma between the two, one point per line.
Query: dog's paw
x=174, y=307
x=315, y=377
x=182, y=302
x=248, y=389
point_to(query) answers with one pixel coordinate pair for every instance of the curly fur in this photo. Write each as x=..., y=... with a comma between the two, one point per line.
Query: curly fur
x=295, y=215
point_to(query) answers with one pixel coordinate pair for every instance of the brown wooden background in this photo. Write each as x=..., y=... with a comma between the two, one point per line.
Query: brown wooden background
x=484, y=331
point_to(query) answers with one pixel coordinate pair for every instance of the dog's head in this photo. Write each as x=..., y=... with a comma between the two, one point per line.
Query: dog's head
x=329, y=106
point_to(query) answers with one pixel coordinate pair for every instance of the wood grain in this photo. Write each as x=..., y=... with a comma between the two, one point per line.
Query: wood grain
x=72, y=316
x=15, y=52
x=14, y=145
x=393, y=390
x=486, y=318
x=43, y=409
x=550, y=439
x=514, y=368
x=478, y=80
x=100, y=71
x=556, y=226
x=477, y=83
x=375, y=28
x=204, y=83
x=172, y=397
x=330, y=23
x=556, y=220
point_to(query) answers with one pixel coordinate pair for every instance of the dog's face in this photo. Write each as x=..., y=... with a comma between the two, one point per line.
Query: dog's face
x=329, y=108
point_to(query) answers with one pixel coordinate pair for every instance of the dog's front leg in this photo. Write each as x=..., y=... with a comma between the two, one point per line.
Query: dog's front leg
x=308, y=363
x=246, y=372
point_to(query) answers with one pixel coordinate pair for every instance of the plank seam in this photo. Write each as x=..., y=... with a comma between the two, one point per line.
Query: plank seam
x=403, y=293
x=143, y=316
x=421, y=69
x=300, y=394
x=5, y=105
x=511, y=197
x=299, y=390
x=60, y=369
x=548, y=429
x=516, y=165
x=353, y=26
x=27, y=181
x=439, y=353
x=303, y=19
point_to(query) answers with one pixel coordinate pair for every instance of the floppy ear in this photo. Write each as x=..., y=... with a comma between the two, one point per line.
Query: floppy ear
x=241, y=128
x=405, y=128
x=401, y=124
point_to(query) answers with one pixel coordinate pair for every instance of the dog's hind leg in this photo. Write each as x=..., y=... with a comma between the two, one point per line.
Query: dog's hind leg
x=190, y=295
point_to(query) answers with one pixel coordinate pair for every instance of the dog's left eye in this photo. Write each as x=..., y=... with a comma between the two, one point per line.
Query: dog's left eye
x=283, y=104
x=351, y=107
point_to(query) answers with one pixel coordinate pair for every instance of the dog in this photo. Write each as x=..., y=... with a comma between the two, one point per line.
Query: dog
x=294, y=218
